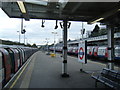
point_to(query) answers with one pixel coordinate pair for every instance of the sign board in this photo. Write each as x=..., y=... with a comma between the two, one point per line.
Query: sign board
x=82, y=52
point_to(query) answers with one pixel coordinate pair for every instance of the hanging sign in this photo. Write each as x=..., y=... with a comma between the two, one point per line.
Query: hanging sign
x=82, y=52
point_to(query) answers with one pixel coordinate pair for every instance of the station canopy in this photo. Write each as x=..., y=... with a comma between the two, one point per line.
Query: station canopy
x=72, y=10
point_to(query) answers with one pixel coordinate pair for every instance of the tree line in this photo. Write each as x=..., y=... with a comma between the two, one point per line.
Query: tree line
x=7, y=42
x=99, y=32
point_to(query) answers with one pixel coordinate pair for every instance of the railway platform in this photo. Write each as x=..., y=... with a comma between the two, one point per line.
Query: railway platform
x=44, y=71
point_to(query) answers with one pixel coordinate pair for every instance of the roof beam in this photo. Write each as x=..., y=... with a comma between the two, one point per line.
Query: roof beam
x=0, y=4
x=63, y=4
x=76, y=7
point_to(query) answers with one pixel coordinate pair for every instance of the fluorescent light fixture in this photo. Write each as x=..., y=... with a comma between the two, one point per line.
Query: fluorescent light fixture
x=39, y=2
x=118, y=9
x=97, y=20
x=21, y=6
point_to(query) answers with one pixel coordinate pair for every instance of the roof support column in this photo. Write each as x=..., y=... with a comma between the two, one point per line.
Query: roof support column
x=21, y=29
x=64, y=64
x=110, y=46
x=0, y=4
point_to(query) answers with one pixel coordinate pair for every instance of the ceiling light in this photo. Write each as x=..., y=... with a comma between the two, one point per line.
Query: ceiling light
x=97, y=20
x=69, y=23
x=21, y=6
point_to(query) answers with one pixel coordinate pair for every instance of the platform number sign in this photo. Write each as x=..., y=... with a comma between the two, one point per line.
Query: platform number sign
x=82, y=52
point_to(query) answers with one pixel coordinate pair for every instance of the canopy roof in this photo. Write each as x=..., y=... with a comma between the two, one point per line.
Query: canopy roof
x=90, y=12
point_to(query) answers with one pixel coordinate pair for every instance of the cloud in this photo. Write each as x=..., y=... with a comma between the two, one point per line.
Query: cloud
x=34, y=32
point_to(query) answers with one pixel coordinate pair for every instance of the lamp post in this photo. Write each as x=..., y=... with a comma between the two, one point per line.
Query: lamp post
x=54, y=40
x=82, y=31
x=19, y=35
x=26, y=40
x=47, y=44
x=23, y=30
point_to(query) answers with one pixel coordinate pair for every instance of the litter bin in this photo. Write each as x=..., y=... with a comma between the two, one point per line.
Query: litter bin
x=52, y=55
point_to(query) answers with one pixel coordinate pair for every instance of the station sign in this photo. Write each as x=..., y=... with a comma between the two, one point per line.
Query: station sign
x=82, y=52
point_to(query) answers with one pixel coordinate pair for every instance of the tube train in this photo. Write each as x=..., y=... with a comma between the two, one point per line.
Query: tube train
x=11, y=60
x=92, y=51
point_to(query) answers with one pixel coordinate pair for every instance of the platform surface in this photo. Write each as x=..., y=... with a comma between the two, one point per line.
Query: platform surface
x=45, y=71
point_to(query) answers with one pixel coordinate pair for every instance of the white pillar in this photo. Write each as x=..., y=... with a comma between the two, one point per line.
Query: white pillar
x=64, y=65
x=110, y=46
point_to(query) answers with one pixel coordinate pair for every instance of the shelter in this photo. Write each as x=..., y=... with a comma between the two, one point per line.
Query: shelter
x=68, y=10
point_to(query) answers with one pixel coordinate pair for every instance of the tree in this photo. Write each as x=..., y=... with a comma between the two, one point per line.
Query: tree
x=95, y=31
x=28, y=45
x=34, y=45
x=103, y=32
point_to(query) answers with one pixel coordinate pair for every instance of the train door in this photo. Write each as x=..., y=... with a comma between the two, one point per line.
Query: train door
x=95, y=51
x=23, y=55
x=20, y=56
x=90, y=51
x=106, y=53
x=15, y=59
x=11, y=53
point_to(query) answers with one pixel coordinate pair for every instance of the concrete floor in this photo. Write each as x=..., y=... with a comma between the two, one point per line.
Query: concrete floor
x=45, y=71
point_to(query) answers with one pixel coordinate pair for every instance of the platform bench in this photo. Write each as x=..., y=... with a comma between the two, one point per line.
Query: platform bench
x=108, y=77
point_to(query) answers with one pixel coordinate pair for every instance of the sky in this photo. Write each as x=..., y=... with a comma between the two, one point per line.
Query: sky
x=9, y=28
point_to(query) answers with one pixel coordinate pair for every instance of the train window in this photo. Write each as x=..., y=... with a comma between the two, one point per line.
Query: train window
x=10, y=51
x=117, y=50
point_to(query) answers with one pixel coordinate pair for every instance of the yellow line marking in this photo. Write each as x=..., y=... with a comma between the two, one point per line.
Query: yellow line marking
x=18, y=76
x=27, y=76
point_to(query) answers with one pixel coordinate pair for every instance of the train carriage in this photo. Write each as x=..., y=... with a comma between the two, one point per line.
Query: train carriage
x=6, y=65
x=1, y=70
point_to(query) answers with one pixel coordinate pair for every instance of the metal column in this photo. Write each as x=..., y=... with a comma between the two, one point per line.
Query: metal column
x=64, y=64
x=110, y=47
x=21, y=29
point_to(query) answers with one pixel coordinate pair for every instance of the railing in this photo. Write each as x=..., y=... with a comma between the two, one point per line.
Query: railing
x=103, y=37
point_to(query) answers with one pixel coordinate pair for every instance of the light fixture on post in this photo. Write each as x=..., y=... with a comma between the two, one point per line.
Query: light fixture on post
x=61, y=24
x=56, y=25
x=43, y=21
x=69, y=23
x=21, y=6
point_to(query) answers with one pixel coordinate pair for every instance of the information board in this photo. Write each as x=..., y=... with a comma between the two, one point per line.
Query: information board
x=82, y=52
